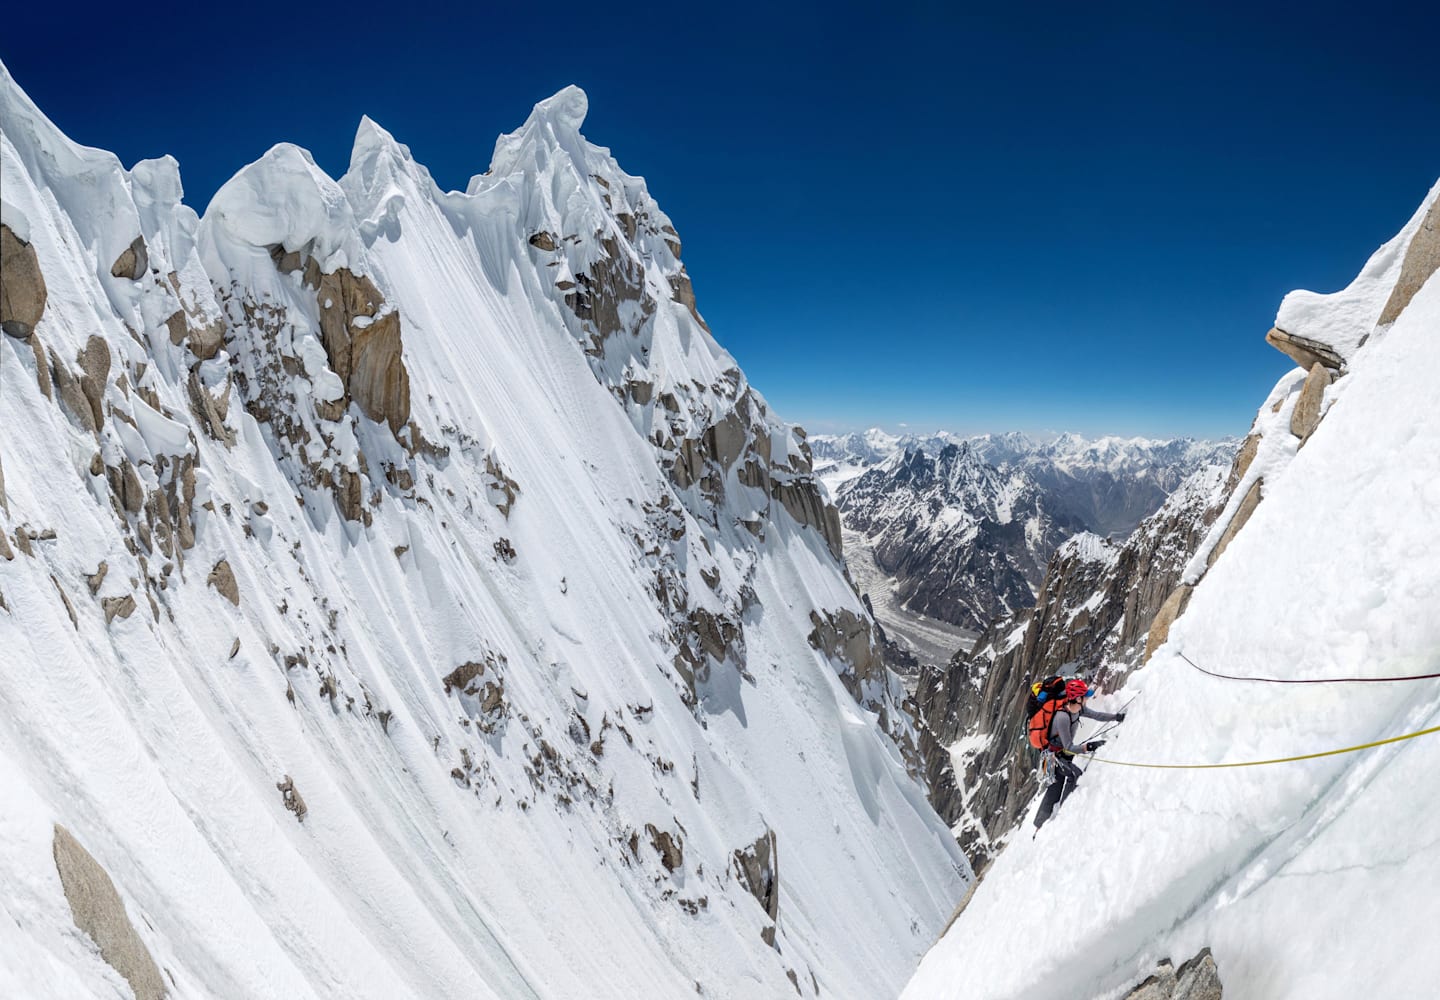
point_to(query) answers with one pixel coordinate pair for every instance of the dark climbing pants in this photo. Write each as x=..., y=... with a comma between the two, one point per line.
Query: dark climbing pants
x=1066, y=774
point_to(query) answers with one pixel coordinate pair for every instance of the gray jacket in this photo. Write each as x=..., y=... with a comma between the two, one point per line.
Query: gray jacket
x=1062, y=727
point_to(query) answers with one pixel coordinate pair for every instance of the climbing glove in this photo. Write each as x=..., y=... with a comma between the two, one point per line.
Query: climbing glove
x=1119, y=716
x=1094, y=745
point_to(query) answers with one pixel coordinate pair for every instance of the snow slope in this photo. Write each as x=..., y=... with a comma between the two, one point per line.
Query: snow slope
x=1313, y=878
x=538, y=650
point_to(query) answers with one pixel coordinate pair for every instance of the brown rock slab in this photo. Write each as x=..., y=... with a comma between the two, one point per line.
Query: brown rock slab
x=22, y=286
x=1242, y=514
x=292, y=798
x=670, y=848
x=99, y=911
x=98, y=577
x=222, y=578
x=757, y=868
x=207, y=339
x=133, y=262
x=117, y=607
x=1305, y=352
x=72, y=395
x=1306, y=415
x=378, y=380
x=94, y=363
x=1172, y=609
x=1422, y=259
x=69, y=608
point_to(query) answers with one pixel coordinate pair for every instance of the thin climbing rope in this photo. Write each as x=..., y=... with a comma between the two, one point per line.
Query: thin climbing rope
x=1313, y=680
x=1277, y=760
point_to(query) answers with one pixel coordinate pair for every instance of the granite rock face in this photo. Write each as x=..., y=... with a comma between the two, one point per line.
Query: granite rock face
x=964, y=541
x=1092, y=616
x=100, y=912
x=22, y=286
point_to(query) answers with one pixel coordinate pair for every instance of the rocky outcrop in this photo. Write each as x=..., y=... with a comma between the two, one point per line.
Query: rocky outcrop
x=292, y=798
x=803, y=501
x=361, y=336
x=22, y=286
x=222, y=578
x=670, y=847
x=117, y=607
x=1093, y=614
x=99, y=911
x=964, y=541
x=1248, y=503
x=133, y=262
x=1306, y=415
x=1422, y=259
x=94, y=363
x=1197, y=979
x=1172, y=609
x=1306, y=352
x=757, y=868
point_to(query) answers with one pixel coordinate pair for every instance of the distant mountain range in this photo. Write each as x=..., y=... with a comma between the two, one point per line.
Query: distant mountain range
x=966, y=525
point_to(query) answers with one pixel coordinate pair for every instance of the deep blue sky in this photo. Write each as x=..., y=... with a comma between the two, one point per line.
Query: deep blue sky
x=1069, y=216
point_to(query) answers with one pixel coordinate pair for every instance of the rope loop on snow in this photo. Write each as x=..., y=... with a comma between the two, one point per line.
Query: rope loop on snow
x=1313, y=680
x=1277, y=760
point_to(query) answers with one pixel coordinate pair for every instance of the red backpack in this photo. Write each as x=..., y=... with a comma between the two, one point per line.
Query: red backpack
x=1045, y=697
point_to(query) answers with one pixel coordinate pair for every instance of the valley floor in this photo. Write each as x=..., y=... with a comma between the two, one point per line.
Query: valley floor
x=931, y=640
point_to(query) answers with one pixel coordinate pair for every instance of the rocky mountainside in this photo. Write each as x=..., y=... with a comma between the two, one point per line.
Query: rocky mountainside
x=1108, y=484
x=408, y=583
x=964, y=541
x=1093, y=615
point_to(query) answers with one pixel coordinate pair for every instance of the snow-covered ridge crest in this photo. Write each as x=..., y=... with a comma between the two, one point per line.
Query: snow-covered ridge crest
x=366, y=590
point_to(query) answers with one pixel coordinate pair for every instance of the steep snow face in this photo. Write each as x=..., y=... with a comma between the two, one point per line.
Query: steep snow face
x=1311, y=878
x=445, y=512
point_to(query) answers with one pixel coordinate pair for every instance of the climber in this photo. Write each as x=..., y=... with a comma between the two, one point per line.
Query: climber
x=1062, y=748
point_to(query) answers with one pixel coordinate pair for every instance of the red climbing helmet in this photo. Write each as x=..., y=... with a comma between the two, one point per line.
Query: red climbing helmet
x=1075, y=688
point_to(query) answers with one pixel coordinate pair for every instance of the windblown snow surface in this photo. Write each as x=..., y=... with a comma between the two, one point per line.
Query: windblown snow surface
x=1315, y=878
x=450, y=849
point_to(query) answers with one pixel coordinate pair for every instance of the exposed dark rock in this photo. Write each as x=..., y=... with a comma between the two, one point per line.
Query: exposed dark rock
x=671, y=848
x=757, y=867
x=292, y=798
x=70, y=608
x=1197, y=979
x=133, y=262
x=117, y=607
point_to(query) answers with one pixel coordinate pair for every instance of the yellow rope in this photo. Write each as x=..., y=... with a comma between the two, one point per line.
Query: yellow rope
x=1277, y=760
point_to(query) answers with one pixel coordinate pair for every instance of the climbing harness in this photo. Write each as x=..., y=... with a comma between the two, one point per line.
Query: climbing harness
x=1277, y=760
x=1313, y=680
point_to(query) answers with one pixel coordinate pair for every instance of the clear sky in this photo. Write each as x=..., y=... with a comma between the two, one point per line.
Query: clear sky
x=1069, y=216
